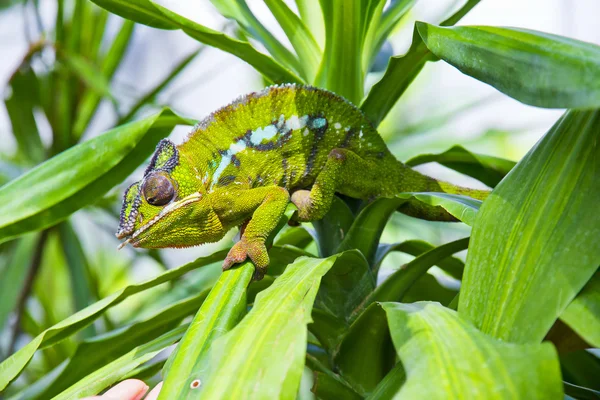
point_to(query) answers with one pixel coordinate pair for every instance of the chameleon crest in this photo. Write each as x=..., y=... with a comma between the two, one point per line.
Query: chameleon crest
x=244, y=163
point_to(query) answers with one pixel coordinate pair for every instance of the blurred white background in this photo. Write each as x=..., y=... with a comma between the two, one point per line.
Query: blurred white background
x=442, y=107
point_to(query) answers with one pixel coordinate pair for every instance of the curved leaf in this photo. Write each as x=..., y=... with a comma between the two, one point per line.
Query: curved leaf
x=535, y=237
x=487, y=169
x=53, y=190
x=269, y=344
x=365, y=354
x=436, y=346
x=220, y=312
x=397, y=284
x=463, y=208
x=452, y=265
x=12, y=366
x=153, y=14
x=118, y=369
x=583, y=314
x=535, y=68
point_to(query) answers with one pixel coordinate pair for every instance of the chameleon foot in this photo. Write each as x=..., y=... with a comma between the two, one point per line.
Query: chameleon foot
x=301, y=199
x=244, y=249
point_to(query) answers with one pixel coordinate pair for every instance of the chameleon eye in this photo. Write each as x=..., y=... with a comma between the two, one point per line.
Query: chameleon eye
x=158, y=190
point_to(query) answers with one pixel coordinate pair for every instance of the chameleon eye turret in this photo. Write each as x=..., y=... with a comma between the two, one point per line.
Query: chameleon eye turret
x=158, y=189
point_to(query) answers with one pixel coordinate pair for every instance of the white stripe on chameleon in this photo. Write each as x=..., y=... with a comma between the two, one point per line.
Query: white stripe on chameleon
x=295, y=123
x=337, y=126
x=234, y=148
x=260, y=134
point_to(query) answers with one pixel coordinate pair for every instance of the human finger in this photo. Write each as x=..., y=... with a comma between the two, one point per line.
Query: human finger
x=129, y=389
x=153, y=395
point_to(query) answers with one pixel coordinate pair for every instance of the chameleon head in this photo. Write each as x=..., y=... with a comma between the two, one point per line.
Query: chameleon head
x=168, y=207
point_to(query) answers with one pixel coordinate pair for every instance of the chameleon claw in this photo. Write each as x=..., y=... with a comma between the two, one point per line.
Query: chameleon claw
x=301, y=199
x=242, y=250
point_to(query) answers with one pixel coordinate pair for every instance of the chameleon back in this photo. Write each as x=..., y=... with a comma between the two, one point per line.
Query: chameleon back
x=279, y=136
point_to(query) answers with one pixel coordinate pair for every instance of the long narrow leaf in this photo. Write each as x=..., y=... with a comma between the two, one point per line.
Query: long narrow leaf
x=220, y=312
x=269, y=344
x=239, y=11
x=12, y=367
x=535, y=237
x=487, y=169
x=300, y=37
x=53, y=190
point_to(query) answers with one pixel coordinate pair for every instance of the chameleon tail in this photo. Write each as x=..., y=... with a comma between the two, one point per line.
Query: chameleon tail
x=413, y=181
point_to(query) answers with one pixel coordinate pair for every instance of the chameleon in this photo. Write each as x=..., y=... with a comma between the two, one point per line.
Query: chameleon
x=244, y=163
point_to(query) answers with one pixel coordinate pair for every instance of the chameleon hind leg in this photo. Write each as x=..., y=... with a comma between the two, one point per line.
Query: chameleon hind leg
x=344, y=172
x=266, y=206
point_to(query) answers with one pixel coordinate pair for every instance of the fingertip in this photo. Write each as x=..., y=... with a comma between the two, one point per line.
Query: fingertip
x=129, y=389
x=153, y=395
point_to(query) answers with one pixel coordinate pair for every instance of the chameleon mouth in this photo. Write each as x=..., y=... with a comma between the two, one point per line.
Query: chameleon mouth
x=134, y=238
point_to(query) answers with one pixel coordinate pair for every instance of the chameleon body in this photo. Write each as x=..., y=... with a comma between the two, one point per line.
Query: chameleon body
x=243, y=164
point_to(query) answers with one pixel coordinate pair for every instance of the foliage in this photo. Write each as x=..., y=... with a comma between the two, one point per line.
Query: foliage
x=531, y=273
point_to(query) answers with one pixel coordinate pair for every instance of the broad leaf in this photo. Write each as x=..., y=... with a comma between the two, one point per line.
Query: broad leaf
x=331, y=230
x=487, y=169
x=535, y=237
x=269, y=344
x=220, y=312
x=12, y=366
x=53, y=190
x=535, y=68
x=447, y=357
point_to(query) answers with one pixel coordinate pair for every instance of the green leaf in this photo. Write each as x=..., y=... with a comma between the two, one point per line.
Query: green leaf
x=535, y=68
x=12, y=367
x=118, y=369
x=580, y=392
x=269, y=344
x=53, y=190
x=111, y=61
x=241, y=13
x=397, y=284
x=366, y=229
x=23, y=96
x=401, y=71
x=447, y=357
x=13, y=275
x=365, y=354
x=463, y=208
x=345, y=29
x=87, y=73
x=141, y=11
x=487, y=169
x=300, y=37
x=220, y=312
x=241, y=49
x=331, y=230
x=379, y=32
x=94, y=353
x=583, y=314
x=312, y=16
x=581, y=368
x=535, y=237
x=452, y=265
x=346, y=285
x=387, y=388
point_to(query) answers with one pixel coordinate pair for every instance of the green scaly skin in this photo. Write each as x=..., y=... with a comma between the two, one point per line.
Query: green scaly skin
x=243, y=164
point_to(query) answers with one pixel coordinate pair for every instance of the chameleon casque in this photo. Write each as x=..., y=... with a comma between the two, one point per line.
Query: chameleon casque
x=243, y=164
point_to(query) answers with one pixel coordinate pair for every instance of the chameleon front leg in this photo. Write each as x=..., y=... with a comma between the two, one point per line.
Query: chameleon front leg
x=344, y=171
x=266, y=205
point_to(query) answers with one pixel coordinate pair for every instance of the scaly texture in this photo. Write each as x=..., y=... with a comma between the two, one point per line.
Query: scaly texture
x=243, y=164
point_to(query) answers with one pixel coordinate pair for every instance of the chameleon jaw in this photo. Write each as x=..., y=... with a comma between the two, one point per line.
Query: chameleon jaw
x=131, y=238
